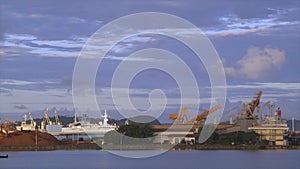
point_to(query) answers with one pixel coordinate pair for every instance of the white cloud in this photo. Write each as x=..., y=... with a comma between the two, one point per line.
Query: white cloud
x=35, y=99
x=29, y=16
x=76, y=20
x=50, y=52
x=264, y=85
x=19, y=37
x=283, y=86
x=257, y=63
x=175, y=4
x=22, y=82
x=136, y=59
x=137, y=38
x=267, y=96
x=233, y=25
x=60, y=43
x=17, y=44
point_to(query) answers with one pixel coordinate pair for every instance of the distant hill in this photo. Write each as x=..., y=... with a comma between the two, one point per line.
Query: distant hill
x=151, y=120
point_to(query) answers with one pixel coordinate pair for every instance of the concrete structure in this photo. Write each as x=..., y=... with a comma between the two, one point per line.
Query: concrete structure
x=245, y=123
x=274, y=134
x=174, y=137
x=272, y=128
x=54, y=128
x=167, y=134
x=229, y=129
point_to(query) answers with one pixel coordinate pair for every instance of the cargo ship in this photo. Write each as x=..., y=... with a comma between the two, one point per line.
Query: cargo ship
x=84, y=130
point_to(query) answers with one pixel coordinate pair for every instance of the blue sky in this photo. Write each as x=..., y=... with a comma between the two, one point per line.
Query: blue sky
x=258, y=43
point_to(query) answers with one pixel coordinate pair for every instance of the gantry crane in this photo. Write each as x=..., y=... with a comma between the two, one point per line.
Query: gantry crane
x=184, y=116
x=270, y=105
x=57, y=122
x=250, y=108
x=32, y=122
x=45, y=120
x=206, y=113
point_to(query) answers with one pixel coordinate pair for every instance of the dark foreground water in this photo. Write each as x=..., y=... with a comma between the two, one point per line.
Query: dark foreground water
x=221, y=159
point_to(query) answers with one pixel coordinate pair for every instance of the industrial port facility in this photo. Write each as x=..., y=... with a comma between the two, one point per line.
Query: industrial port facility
x=270, y=127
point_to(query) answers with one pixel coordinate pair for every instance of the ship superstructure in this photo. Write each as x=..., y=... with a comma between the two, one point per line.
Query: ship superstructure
x=84, y=130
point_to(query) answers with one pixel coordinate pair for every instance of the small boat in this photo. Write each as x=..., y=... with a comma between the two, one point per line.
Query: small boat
x=4, y=156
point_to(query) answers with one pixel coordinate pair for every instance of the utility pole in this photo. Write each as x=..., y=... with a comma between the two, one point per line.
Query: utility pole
x=36, y=137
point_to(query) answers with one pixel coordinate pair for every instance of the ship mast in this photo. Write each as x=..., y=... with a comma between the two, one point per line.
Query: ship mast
x=105, y=120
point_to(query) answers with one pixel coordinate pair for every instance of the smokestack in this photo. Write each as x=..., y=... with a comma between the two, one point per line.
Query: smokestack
x=293, y=124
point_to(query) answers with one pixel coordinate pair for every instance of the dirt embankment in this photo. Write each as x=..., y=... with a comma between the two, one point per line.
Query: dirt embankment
x=28, y=138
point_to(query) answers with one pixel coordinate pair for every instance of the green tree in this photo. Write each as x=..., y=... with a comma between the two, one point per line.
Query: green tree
x=113, y=137
x=183, y=141
x=239, y=138
x=136, y=130
x=212, y=139
x=250, y=137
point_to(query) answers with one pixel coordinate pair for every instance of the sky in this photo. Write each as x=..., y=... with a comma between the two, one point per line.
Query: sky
x=257, y=41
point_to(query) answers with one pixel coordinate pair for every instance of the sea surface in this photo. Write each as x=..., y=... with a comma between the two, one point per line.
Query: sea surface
x=92, y=159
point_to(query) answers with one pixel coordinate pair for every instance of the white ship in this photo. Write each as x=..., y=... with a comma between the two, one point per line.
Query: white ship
x=87, y=127
x=84, y=130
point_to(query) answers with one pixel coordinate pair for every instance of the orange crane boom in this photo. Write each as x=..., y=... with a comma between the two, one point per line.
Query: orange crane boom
x=184, y=116
x=254, y=104
x=206, y=113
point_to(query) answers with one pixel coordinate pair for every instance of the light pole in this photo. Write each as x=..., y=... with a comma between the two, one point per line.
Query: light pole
x=36, y=137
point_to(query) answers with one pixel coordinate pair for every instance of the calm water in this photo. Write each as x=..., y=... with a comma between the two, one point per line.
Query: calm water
x=269, y=159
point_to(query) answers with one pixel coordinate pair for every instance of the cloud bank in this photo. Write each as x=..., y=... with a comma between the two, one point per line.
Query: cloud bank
x=257, y=63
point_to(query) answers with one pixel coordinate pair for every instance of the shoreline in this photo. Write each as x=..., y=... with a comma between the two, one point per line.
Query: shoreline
x=51, y=147
x=93, y=146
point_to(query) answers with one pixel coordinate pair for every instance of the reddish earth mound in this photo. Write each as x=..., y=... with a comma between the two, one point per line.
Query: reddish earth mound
x=28, y=138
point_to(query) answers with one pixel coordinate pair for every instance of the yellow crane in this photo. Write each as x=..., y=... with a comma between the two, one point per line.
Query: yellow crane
x=206, y=113
x=32, y=122
x=57, y=122
x=45, y=120
x=184, y=117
